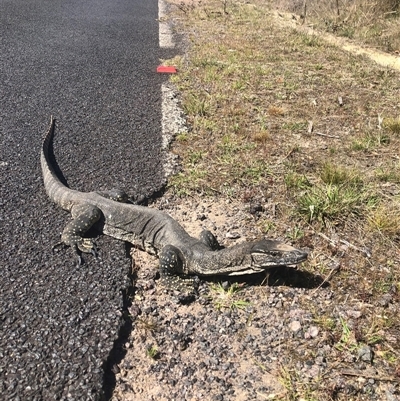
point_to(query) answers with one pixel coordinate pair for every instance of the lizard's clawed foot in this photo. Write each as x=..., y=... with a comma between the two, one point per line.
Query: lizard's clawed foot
x=87, y=245
x=58, y=245
x=81, y=245
x=183, y=287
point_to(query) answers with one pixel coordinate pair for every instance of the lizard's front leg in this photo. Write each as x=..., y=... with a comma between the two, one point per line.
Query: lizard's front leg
x=84, y=216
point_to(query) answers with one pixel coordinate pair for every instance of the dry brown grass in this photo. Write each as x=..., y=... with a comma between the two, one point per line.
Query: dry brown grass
x=373, y=22
x=267, y=127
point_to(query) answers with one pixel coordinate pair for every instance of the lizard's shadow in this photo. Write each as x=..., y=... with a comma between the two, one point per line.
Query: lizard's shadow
x=118, y=351
x=278, y=276
x=294, y=277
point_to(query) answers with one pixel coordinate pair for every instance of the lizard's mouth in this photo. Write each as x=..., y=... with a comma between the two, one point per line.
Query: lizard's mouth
x=249, y=270
x=278, y=258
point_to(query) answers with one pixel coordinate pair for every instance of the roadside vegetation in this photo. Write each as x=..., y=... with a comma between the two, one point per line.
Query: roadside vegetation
x=372, y=22
x=311, y=134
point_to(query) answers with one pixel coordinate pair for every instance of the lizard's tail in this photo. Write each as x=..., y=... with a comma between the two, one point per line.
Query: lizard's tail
x=55, y=189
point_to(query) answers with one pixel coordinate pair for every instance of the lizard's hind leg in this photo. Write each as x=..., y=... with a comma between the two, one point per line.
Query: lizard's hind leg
x=209, y=239
x=83, y=218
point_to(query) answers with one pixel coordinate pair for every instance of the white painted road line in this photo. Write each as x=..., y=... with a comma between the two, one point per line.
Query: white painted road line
x=166, y=39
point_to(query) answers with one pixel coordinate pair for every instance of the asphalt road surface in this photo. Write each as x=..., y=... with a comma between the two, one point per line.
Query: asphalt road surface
x=91, y=64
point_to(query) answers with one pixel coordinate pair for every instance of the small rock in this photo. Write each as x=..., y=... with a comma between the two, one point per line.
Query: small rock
x=390, y=396
x=365, y=353
x=225, y=285
x=355, y=314
x=233, y=235
x=311, y=332
x=295, y=326
x=134, y=311
x=385, y=300
x=256, y=208
x=313, y=372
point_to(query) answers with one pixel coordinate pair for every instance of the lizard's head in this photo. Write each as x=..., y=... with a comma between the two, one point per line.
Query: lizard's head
x=240, y=259
x=265, y=254
x=270, y=253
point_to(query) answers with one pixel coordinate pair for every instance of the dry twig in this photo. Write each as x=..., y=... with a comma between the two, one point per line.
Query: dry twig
x=328, y=136
x=364, y=251
x=350, y=372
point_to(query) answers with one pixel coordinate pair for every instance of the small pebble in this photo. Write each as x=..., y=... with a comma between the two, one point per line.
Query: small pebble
x=365, y=353
x=295, y=326
x=311, y=332
x=232, y=235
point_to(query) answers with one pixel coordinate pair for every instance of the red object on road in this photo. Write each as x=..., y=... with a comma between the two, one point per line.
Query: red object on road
x=166, y=69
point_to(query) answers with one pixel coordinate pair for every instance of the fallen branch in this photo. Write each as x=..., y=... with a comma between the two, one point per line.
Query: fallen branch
x=350, y=372
x=331, y=241
x=364, y=251
x=328, y=136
